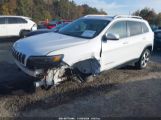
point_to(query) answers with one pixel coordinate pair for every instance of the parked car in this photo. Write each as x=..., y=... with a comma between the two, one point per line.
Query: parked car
x=16, y=26
x=84, y=48
x=41, y=25
x=157, y=40
x=41, y=31
x=53, y=24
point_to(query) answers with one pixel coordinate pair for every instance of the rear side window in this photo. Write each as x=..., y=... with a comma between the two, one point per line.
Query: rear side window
x=12, y=20
x=119, y=28
x=135, y=28
x=21, y=21
x=2, y=20
x=144, y=28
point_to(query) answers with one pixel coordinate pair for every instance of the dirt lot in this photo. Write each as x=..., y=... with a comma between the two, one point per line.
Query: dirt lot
x=122, y=92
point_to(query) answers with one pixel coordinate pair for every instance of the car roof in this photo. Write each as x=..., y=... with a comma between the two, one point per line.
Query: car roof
x=15, y=16
x=110, y=18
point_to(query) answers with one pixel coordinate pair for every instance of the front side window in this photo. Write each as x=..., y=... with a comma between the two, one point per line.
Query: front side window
x=119, y=28
x=85, y=28
x=135, y=28
x=2, y=20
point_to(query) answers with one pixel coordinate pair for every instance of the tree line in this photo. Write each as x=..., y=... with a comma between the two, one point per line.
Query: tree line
x=63, y=9
x=150, y=15
x=46, y=9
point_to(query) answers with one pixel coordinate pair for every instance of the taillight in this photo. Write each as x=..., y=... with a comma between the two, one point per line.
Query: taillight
x=51, y=26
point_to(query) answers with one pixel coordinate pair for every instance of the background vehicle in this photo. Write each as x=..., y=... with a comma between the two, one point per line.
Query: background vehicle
x=41, y=31
x=54, y=23
x=16, y=26
x=157, y=40
x=41, y=25
x=85, y=47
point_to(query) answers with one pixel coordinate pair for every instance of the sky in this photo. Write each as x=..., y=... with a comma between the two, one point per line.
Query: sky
x=115, y=7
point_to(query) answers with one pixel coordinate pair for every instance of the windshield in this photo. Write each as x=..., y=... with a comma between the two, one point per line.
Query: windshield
x=85, y=28
x=56, y=29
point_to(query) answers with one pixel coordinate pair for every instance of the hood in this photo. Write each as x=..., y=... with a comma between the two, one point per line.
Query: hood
x=41, y=31
x=45, y=43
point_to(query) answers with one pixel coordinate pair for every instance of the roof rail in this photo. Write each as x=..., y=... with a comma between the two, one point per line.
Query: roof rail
x=127, y=16
x=93, y=15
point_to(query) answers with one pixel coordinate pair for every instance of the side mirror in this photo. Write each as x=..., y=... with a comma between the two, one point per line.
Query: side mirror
x=111, y=36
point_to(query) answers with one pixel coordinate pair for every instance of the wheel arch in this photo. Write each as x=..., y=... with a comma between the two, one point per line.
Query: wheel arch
x=149, y=47
x=23, y=30
x=88, y=66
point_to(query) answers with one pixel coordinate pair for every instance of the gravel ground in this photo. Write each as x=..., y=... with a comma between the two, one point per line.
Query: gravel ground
x=122, y=92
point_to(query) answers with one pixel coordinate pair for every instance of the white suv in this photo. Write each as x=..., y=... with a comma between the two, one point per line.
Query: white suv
x=16, y=26
x=87, y=46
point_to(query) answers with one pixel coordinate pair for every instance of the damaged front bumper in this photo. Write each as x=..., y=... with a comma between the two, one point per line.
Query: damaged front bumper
x=33, y=73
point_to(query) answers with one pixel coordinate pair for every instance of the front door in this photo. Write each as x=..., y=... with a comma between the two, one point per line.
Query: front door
x=115, y=52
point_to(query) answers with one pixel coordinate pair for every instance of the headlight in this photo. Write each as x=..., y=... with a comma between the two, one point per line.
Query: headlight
x=57, y=58
x=44, y=61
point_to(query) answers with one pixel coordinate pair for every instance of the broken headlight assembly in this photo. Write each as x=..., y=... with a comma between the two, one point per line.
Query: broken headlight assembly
x=44, y=62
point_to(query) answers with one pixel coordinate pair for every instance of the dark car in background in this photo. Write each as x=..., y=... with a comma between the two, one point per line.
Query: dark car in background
x=157, y=40
x=55, y=23
x=41, y=31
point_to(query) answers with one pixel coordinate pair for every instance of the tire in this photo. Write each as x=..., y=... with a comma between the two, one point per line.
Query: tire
x=23, y=33
x=144, y=59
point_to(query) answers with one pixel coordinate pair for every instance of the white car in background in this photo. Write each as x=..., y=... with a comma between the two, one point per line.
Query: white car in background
x=16, y=26
x=85, y=47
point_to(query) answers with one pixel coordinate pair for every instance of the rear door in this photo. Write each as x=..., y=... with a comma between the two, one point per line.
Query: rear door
x=13, y=27
x=137, y=39
x=3, y=31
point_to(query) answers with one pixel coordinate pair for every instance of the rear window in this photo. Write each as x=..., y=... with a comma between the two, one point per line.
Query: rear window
x=135, y=28
x=2, y=20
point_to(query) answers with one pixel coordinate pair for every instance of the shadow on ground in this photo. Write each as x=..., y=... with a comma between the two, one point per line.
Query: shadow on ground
x=132, y=99
x=8, y=39
x=12, y=80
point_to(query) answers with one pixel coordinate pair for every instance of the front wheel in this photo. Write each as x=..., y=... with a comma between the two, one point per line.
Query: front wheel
x=144, y=59
x=23, y=33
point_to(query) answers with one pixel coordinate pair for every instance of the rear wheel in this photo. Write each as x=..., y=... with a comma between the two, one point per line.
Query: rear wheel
x=144, y=59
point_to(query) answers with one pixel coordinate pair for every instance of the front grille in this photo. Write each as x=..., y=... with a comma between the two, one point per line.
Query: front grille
x=18, y=56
